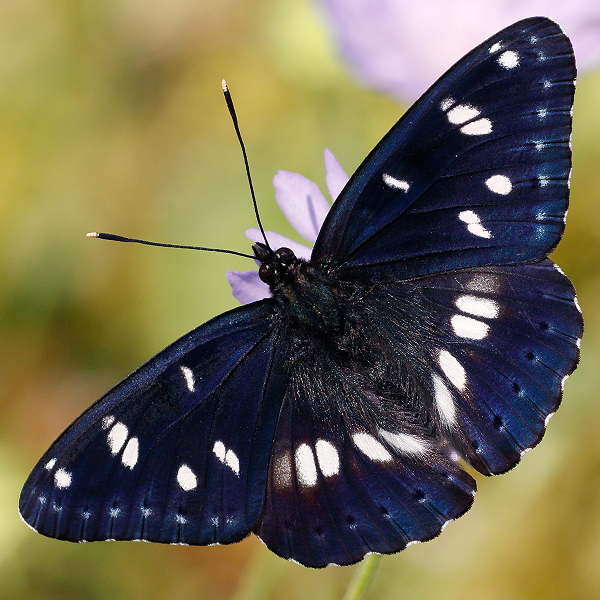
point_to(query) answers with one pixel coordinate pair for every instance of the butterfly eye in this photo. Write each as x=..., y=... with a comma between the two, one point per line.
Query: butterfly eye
x=284, y=255
x=267, y=273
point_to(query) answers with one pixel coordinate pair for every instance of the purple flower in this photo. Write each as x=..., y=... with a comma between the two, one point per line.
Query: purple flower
x=402, y=46
x=305, y=207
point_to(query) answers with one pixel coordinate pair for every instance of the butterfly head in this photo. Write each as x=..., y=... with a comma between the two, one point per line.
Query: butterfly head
x=277, y=268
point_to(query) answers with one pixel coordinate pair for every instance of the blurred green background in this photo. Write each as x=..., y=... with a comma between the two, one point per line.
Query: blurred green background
x=112, y=119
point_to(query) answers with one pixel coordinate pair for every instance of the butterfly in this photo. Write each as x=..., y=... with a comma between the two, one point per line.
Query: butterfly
x=428, y=328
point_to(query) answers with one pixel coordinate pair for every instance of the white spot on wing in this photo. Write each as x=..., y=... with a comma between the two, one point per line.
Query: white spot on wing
x=462, y=113
x=130, y=454
x=397, y=184
x=444, y=401
x=478, y=127
x=232, y=461
x=146, y=512
x=306, y=468
x=468, y=216
x=469, y=328
x=227, y=457
x=446, y=103
x=371, y=448
x=542, y=113
x=453, y=370
x=186, y=478
x=282, y=471
x=544, y=181
x=499, y=184
x=62, y=479
x=189, y=378
x=508, y=59
x=50, y=464
x=219, y=450
x=484, y=283
x=107, y=421
x=114, y=512
x=480, y=307
x=474, y=224
x=495, y=47
x=328, y=458
x=180, y=519
x=403, y=442
x=117, y=436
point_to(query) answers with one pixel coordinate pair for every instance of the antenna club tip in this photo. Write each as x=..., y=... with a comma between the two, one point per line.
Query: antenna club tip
x=92, y=234
x=224, y=85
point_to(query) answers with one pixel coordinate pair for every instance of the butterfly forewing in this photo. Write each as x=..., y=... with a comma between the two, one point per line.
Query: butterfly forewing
x=179, y=451
x=475, y=173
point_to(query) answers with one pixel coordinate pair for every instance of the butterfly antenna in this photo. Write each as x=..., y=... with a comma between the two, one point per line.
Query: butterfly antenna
x=120, y=238
x=231, y=108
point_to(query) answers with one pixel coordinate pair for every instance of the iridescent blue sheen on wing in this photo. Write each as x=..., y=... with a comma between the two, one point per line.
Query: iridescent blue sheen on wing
x=362, y=498
x=491, y=137
x=203, y=439
x=515, y=330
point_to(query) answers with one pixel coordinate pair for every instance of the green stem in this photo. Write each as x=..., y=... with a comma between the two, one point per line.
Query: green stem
x=362, y=578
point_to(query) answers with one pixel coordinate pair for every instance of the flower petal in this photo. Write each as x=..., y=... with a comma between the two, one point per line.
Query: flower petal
x=302, y=202
x=247, y=286
x=402, y=46
x=335, y=176
x=276, y=240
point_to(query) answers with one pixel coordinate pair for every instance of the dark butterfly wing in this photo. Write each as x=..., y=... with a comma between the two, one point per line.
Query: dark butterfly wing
x=341, y=486
x=178, y=452
x=504, y=340
x=475, y=173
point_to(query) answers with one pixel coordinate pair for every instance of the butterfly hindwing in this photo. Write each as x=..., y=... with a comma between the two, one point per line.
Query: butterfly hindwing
x=507, y=338
x=178, y=452
x=338, y=490
x=475, y=173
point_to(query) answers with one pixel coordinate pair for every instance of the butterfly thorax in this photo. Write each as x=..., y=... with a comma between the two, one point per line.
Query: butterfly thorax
x=331, y=326
x=307, y=296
